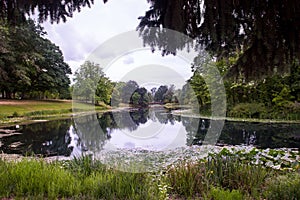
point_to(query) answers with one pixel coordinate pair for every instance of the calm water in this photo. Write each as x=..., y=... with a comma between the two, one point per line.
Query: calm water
x=151, y=129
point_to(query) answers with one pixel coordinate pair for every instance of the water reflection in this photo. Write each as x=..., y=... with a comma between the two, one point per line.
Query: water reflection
x=48, y=139
x=154, y=129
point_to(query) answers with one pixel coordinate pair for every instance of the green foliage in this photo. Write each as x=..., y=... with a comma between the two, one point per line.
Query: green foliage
x=16, y=13
x=165, y=94
x=135, y=98
x=249, y=110
x=140, y=97
x=81, y=178
x=36, y=178
x=187, y=179
x=127, y=91
x=225, y=28
x=275, y=97
x=15, y=114
x=91, y=85
x=228, y=174
x=283, y=98
x=223, y=194
x=104, y=90
x=190, y=179
x=159, y=94
x=283, y=187
x=116, y=98
x=30, y=63
x=47, y=112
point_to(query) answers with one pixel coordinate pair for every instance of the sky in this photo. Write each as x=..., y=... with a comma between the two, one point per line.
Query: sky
x=82, y=35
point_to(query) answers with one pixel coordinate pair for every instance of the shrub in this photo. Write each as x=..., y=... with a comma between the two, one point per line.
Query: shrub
x=283, y=187
x=249, y=110
x=15, y=114
x=195, y=179
x=224, y=194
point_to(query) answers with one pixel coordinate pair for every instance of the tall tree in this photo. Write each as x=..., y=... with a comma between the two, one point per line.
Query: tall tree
x=140, y=97
x=91, y=84
x=128, y=90
x=16, y=10
x=160, y=93
x=266, y=33
x=30, y=63
x=86, y=81
x=52, y=72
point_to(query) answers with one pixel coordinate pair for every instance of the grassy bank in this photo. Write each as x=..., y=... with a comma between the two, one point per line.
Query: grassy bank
x=218, y=176
x=13, y=111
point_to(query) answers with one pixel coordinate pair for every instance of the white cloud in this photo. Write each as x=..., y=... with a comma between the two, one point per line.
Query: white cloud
x=128, y=60
x=150, y=69
x=82, y=34
x=85, y=31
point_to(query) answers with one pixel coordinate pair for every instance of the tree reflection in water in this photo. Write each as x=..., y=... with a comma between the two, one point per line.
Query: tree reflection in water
x=143, y=128
x=47, y=139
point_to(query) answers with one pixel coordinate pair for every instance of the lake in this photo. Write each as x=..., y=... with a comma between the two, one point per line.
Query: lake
x=153, y=129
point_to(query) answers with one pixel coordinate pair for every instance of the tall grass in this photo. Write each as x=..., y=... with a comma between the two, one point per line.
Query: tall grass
x=190, y=179
x=82, y=179
x=283, y=187
x=36, y=178
x=217, y=177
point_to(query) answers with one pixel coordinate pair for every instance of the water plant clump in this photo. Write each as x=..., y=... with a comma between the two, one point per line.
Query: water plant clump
x=138, y=160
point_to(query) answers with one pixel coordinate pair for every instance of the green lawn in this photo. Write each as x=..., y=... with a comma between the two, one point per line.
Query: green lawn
x=21, y=110
x=9, y=108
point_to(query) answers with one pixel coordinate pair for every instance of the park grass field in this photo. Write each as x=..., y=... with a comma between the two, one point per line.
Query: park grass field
x=21, y=107
x=13, y=111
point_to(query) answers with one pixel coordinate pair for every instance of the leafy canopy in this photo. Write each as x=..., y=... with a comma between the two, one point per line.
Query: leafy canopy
x=265, y=34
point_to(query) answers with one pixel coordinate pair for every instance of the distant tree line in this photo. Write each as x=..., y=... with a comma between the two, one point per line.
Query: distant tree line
x=92, y=86
x=31, y=66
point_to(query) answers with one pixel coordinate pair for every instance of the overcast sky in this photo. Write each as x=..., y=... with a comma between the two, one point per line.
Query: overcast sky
x=86, y=31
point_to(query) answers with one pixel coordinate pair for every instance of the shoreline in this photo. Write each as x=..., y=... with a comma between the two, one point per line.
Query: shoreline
x=12, y=121
x=183, y=113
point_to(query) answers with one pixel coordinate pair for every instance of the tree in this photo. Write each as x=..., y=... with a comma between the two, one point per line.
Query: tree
x=116, y=94
x=104, y=90
x=128, y=90
x=140, y=97
x=264, y=34
x=31, y=65
x=168, y=96
x=200, y=89
x=15, y=11
x=91, y=83
x=159, y=95
x=52, y=73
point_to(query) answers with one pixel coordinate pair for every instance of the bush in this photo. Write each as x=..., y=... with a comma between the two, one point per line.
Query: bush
x=222, y=194
x=15, y=114
x=249, y=110
x=283, y=187
x=189, y=180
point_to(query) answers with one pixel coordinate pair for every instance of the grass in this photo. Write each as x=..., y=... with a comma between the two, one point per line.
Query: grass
x=13, y=111
x=26, y=106
x=283, y=187
x=201, y=178
x=75, y=179
x=216, y=177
